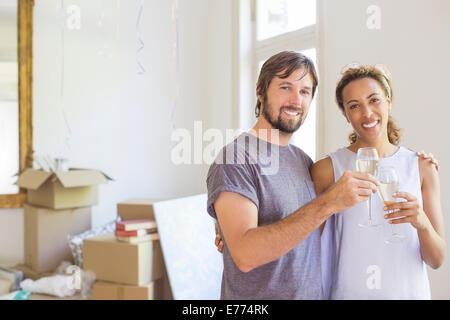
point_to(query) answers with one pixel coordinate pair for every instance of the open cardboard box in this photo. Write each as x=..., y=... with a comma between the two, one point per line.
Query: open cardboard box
x=64, y=189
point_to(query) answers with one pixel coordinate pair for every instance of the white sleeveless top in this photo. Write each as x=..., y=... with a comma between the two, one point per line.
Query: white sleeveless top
x=357, y=262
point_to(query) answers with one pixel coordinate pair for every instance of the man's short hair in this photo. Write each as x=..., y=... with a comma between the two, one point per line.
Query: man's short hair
x=287, y=61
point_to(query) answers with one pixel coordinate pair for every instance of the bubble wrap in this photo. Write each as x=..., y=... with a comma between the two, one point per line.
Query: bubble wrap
x=76, y=241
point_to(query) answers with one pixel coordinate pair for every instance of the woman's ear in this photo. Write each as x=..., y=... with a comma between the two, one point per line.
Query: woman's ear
x=388, y=100
x=345, y=115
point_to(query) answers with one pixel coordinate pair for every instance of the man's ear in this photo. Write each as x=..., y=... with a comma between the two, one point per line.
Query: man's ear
x=260, y=97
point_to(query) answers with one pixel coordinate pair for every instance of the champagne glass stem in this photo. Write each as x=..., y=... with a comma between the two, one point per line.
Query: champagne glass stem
x=392, y=226
x=370, y=209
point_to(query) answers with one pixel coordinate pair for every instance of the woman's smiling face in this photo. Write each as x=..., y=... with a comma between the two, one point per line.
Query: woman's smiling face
x=367, y=108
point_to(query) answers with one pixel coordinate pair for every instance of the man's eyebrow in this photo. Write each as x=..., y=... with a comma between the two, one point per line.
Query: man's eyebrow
x=284, y=83
x=351, y=101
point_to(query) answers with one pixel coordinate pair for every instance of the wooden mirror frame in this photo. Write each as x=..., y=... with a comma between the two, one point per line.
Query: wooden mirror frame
x=25, y=59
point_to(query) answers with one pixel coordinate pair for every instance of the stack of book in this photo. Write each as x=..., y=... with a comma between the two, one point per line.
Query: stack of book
x=136, y=231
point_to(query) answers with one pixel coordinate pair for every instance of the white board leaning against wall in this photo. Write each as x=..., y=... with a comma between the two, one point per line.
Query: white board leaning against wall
x=193, y=264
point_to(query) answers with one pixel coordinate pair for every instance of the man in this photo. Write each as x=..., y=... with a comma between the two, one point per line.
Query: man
x=269, y=222
x=270, y=219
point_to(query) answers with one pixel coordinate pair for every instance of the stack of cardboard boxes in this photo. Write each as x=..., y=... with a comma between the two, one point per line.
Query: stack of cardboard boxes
x=127, y=271
x=58, y=205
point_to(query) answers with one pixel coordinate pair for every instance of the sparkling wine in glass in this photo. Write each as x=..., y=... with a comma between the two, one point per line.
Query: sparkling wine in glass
x=367, y=161
x=389, y=182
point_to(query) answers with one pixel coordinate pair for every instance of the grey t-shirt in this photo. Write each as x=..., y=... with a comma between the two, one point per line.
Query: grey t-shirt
x=277, y=180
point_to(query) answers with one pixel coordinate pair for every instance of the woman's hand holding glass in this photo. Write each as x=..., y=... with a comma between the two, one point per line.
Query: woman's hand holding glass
x=408, y=211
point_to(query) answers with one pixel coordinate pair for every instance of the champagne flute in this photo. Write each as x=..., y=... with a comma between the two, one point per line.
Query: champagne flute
x=367, y=161
x=389, y=182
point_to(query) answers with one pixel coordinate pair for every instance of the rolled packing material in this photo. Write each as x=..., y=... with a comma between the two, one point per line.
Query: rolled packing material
x=57, y=285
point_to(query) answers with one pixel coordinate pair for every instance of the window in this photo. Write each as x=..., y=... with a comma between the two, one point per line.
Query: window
x=276, y=17
x=288, y=25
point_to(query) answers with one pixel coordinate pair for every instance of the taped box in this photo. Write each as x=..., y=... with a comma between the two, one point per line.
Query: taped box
x=114, y=291
x=64, y=189
x=46, y=231
x=123, y=262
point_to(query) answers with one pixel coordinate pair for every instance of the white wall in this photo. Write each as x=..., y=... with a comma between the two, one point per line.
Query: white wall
x=11, y=237
x=413, y=42
x=120, y=122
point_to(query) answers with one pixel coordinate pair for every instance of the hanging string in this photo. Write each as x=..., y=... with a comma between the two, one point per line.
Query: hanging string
x=141, y=44
x=62, y=82
x=118, y=57
x=175, y=59
x=118, y=30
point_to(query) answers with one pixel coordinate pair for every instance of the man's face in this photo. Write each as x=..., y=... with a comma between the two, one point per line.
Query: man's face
x=287, y=101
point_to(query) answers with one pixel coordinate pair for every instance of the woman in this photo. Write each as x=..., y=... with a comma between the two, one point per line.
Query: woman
x=361, y=264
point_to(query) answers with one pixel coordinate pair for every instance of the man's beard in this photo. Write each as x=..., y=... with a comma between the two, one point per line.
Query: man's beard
x=284, y=125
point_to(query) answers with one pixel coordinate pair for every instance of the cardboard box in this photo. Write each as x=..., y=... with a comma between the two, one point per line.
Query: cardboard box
x=46, y=232
x=61, y=190
x=121, y=262
x=114, y=291
x=134, y=209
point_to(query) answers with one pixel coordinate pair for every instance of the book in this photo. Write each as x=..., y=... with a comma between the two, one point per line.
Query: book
x=147, y=237
x=129, y=225
x=134, y=233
